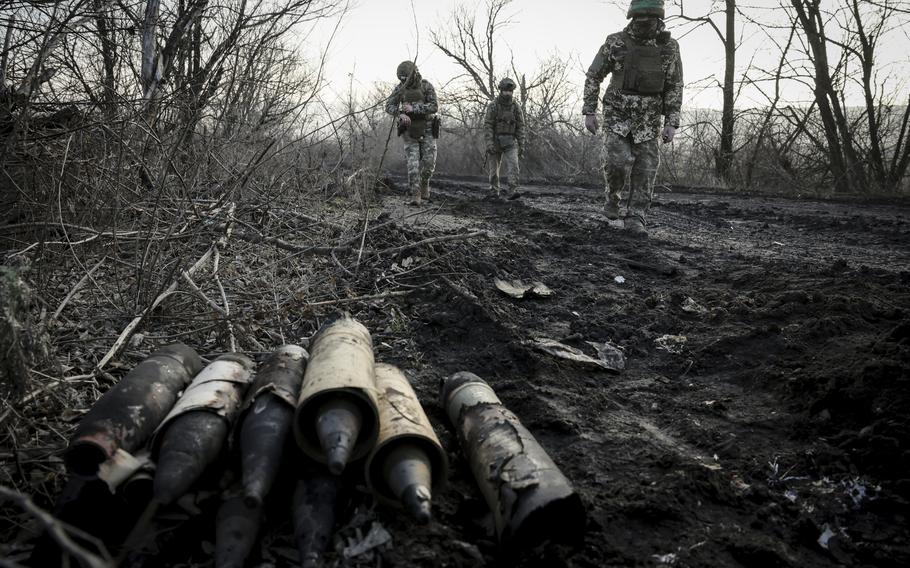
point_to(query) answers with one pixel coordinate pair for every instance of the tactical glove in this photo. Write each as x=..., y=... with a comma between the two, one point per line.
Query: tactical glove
x=668, y=133
x=407, y=107
x=591, y=123
x=404, y=120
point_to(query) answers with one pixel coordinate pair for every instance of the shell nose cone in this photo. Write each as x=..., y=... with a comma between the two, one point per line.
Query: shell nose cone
x=338, y=426
x=417, y=500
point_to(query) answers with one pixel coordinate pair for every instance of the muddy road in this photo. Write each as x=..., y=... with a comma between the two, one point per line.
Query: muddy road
x=762, y=419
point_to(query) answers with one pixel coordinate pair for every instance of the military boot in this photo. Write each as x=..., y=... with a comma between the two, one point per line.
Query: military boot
x=611, y=210
x=635, y=226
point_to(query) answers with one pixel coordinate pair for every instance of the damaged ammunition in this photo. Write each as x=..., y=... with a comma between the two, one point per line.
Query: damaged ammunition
x=315, y=503
x=408, y=460
x=127, y=415
x=192, y=436
x=267, y=419
x=337, y=418
x=532, y=501
x=236, y=528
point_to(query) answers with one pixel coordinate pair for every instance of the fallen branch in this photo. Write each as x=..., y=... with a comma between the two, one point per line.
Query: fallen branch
x=131, y=327
x=76, y=288
x=323, y=250
x=434, y=240
x=383, y=296
x=60, y=532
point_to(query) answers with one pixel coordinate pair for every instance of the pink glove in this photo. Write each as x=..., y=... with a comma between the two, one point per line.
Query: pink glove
x=404, y=119
x=667, y=134
x=407, y=107
x=591, y=123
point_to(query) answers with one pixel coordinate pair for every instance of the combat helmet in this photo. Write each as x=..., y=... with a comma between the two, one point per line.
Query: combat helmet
x=507, y=85
x=405, y=69
x=646, y=8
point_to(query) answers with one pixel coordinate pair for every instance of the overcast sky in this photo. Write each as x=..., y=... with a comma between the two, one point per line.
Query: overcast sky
x=375, y=35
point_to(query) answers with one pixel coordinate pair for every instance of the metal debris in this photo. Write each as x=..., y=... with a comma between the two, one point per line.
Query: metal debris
x=609, y=356
x=377, y=537
x=519, y=289
x=672, y=343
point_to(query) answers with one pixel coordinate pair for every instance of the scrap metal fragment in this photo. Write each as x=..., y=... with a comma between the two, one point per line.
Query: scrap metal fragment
x=519, y=289
x=609, y=356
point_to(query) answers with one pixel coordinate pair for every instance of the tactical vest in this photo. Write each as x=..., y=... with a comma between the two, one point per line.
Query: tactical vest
x=506, y=124
x=419, y=122
x=642, y=72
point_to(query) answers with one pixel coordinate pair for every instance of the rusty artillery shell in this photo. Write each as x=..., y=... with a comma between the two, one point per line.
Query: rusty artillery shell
x=192, y=436
x=532, y=501
x=408, y=460
x=267, y=420
x=337, y=419
x=127, y=415
x=236, y=528
x=315, y=502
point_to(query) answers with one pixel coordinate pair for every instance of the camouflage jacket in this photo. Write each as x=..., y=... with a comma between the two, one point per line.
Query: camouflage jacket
x=626, y=113
x=428, y=106
x=490, y=119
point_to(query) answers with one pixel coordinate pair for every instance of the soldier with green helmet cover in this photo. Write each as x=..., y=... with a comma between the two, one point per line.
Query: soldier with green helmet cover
x=414, y=102
x=503, y=133
x=641, y=103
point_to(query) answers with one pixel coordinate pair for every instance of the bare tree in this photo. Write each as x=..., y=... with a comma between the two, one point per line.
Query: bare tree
x=724, y=153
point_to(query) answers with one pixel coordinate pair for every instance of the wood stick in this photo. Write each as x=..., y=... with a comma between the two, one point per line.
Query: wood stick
x=76, y=288
x=433, y=240
x=61, y=532
x=383, y=296
x=131, y=327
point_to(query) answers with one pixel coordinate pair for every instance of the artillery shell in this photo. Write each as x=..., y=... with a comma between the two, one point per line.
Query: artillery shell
x=408, y=460
x=315, y=501
x=407, y=473
x=192, y=436
x=236, y=528
x=192, y=442
x=267, y=420
x=337, y=426
x=337, y=418
x=532, y=501
x=128, y=414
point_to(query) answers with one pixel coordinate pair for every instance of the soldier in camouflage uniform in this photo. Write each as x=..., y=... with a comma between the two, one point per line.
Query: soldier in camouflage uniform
x=645, y=88
x=503, y=133
x=414, y=103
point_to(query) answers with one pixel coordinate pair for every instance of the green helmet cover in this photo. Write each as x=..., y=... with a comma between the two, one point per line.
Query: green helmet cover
x=639, y=8
x=507, y=85
x=405, y=69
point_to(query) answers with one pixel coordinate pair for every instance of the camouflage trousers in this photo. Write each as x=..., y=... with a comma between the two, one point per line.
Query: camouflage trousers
x=421, y=158
x=495, y=162
x=629, y=173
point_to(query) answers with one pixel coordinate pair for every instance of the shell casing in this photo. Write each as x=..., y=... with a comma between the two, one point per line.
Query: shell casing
x=408, y=462
x=339, y=378
x=531, y=500
x=126, y=416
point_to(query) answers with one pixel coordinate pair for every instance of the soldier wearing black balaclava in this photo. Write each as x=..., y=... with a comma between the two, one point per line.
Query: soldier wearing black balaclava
x=642, y=103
